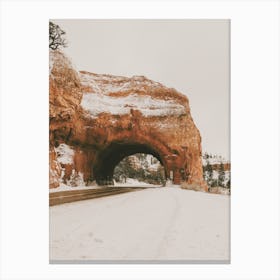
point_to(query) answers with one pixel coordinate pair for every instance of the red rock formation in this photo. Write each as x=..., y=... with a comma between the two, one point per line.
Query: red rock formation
x=65, y=96
x=105, y=118
x=217, y=166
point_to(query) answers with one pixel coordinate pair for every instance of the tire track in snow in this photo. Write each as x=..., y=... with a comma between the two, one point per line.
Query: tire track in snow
x=149, y=234
x=156, y=232
x=168, y=235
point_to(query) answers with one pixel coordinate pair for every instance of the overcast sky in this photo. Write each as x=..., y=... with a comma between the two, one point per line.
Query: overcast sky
x=191, y=56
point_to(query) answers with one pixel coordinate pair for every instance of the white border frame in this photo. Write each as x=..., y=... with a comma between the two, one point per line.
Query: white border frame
x=254, y=142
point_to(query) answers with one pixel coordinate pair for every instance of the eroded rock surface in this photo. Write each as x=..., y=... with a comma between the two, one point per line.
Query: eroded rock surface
x=103, y=118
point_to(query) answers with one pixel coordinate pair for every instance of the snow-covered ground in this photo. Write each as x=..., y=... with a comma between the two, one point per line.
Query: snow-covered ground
x=64, y=187
x=152, y=224
x=130, y=182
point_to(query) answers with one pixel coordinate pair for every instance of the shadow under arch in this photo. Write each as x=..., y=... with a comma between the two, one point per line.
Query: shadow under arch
x=117, y=151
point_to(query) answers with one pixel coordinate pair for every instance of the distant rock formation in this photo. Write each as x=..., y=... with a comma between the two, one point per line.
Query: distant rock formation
x=215, y=161
x=97, y=120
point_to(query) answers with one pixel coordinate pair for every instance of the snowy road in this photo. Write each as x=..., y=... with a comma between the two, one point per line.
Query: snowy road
x=153, y=224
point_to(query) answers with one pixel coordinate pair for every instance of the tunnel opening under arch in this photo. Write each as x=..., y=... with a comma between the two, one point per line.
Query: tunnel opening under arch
x=139, y=170
x=111, y=156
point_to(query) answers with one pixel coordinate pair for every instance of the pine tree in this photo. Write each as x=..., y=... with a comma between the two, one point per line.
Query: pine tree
x=125, y=168
x=222, y=176
x=204, y=172
x=214, y=183
x=228, y=184
x=208, y=173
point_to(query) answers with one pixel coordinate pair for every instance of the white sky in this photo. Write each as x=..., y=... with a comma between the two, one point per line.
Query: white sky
x=192, y=56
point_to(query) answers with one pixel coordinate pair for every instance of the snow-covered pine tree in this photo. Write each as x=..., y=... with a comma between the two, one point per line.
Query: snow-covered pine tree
x=228, y=184
x=204, y=172
x=222, y=176
x=208, y=173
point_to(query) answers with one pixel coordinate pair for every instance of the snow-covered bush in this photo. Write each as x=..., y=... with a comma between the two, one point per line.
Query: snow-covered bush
x=76, y=179
x=214, y=173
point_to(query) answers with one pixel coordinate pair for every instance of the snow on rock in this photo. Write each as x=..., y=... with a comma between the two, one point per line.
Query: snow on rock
x=213, y=159
x=51, y=62
x=153, y=163
x=55, y=174
x=152, y=224
x=59, y=61
x=216, y=175
x=64, y=154
x=64, y=162
x=158, y=126
x=87, y=81
x=118, y=95
x=64, y=95
x=148, y=106
x=108, y=84
x=76, y=179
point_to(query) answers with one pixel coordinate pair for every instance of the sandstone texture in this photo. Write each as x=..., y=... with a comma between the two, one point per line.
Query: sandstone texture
x=97, y=120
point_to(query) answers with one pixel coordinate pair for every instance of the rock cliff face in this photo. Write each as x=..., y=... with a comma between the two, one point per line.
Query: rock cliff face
x=65, y=96
x=97, y=120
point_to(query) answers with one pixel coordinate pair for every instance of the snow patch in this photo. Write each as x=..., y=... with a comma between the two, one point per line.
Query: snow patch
x=130, y=182
x=64, y=187
x=148, y=106
x=76, y=179
x=64, y=154
x=213, y=159
x=58, y=60
x=106, y=84
x=87, y=81
x=216, y=175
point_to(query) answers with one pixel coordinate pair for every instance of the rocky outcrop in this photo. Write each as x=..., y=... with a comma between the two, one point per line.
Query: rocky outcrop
x=103, y=118
x=216, y=166
x=64, y=96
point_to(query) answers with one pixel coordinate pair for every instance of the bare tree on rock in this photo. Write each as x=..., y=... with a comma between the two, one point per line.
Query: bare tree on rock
x=56, y=35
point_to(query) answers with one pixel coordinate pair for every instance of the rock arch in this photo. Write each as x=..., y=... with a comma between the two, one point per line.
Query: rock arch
x=104, y=118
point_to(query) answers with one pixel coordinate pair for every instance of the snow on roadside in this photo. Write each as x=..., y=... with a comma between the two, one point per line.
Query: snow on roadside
x=130, y=182
x=64, y=187
x=76, y=179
